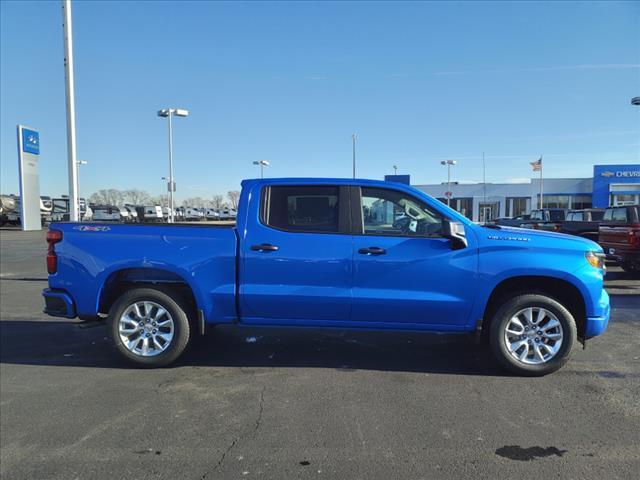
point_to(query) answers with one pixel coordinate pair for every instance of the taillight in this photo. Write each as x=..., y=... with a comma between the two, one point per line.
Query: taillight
x=556, y=227
x=53, y=237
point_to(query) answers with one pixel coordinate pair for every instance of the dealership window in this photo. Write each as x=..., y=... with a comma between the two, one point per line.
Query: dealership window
x=556, y=201
x=578, y=202
x=464, y=206
x=487, y=211
x=624, y=194
x=516, y=206
x=624, y=199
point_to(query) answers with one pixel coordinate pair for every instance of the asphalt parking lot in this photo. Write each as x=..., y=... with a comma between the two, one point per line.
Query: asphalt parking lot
x=278, y=403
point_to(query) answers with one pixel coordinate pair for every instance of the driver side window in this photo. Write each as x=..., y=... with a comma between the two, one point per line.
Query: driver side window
x=394, y=213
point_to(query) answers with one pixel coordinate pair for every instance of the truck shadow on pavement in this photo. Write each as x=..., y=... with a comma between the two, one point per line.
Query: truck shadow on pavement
x=65, y=343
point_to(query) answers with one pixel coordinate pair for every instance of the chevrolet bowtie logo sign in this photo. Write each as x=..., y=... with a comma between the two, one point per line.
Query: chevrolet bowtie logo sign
x=607, y=174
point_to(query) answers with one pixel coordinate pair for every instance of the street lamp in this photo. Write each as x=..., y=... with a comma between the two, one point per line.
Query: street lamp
x=635, y=101
x=171, y=185
x=262, y=163
x=395, y=170
x=449, y=164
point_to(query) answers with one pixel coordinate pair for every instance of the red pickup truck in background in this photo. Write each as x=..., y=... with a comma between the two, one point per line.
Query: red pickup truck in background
x=619, y=236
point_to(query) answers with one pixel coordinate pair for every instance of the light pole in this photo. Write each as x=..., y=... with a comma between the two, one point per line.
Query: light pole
x=395, y=170
x=74, y=214
x=449, y=164
x=354, y=137
x=79, y=162
x=171, y=185
x=262, y=163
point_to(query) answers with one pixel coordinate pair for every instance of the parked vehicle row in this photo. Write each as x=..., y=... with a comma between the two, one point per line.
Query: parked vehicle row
x=51, y=209
x=156, y=214
x=616, y=229
x=57, y=210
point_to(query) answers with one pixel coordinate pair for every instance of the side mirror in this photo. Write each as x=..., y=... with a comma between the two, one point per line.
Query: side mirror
x=454, y=231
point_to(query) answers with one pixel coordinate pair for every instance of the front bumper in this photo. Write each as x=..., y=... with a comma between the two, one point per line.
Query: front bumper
x=597, y=324
x=58, y=303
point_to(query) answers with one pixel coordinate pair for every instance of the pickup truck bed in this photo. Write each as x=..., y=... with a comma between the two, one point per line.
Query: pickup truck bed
x=117, y=255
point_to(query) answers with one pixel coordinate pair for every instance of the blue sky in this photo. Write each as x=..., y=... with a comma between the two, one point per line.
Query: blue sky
x=289, y=82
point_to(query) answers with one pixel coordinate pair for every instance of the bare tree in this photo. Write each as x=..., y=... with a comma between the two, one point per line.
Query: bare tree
x=233, y=196
x=98, y=198
x=196, y=202
x=114, y=197
x=217, y=202
x=158, y=200
x=135, y=196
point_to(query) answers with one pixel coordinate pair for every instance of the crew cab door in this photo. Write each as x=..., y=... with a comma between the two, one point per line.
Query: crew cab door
x=405, y=271
x=297, y=256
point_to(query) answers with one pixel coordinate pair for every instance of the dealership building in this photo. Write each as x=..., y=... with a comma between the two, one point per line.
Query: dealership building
x=610, y=185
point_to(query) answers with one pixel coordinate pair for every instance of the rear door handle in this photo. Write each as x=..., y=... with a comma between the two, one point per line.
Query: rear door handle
x=372, y=251
x=265, y=247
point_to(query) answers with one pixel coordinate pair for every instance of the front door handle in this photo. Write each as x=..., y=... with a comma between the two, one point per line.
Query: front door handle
x=265, y=247
x=372, y=251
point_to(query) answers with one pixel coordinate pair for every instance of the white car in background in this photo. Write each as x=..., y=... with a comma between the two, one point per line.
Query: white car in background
x=227, y=214
x=211, y=214
x=106, y=213
x=192, y=214
x=46, y=205
x=152, y=213
x=133, y=213
x=124, y=214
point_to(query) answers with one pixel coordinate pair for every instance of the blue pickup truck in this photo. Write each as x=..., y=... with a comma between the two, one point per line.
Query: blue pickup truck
x=335, y=253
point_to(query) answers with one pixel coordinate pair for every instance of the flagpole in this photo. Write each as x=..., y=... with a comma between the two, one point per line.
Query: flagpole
x=484, y=186
x=541, y=189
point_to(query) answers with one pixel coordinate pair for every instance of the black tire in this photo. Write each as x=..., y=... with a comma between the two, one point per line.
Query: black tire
x=172, y=304
x=501, y=320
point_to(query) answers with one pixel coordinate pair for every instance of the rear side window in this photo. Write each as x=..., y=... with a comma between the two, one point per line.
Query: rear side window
x=619, y=214
x=556, y=215
x=302, y=208
x=597, y=215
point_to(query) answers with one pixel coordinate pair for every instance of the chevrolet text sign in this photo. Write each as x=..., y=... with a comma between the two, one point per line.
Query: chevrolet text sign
x=621, y=174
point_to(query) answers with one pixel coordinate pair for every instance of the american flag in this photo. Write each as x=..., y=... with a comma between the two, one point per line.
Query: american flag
x=537, y=165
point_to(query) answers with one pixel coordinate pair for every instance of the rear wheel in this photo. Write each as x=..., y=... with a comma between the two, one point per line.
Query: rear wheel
x=532, y=335
x=148, y=327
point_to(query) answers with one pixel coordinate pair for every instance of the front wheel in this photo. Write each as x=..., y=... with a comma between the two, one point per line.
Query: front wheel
x=532, y=335
x=148, y=327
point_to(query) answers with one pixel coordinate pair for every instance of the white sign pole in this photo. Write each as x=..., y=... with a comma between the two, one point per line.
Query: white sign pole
x=71, y=111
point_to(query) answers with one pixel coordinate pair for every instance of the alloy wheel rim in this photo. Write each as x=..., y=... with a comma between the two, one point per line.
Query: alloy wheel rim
x=146, y=328
x=533, y=335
